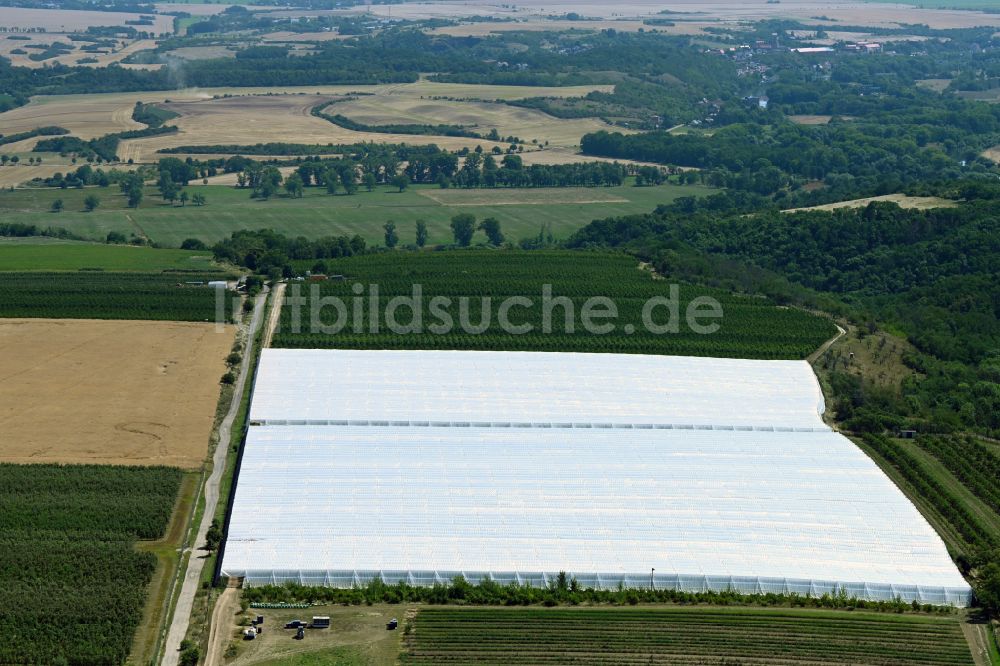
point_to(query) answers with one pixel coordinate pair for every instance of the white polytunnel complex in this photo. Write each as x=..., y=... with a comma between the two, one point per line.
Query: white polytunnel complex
x=685, y=473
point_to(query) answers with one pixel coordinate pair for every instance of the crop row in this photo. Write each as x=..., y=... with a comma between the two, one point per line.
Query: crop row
x=554, y=287
x=971, y=462
x=98, y=295
x=679, y=635
x=72, y=585
x=953, y=510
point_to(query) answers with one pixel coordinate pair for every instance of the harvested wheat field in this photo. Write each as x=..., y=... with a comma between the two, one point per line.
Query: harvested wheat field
x=72, y=20
x=287, y=118
x=85, y=116
x=840, y=12
x=252, y=115
x=921, y=203
x=109, y=392
x=17, y=175
x=75, y=55
x=474, y=29
x=480, y=117
x=262, y=119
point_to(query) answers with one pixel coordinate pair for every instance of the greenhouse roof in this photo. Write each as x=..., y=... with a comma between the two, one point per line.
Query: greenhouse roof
x=471, y=387
x=338, y=486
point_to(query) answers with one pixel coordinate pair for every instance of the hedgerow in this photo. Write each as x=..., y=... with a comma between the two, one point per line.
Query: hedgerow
x=562, y=591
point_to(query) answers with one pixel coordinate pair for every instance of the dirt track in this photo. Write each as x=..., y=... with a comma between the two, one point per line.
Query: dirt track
x=192, y=576
x=223, y=624
x=109, y=392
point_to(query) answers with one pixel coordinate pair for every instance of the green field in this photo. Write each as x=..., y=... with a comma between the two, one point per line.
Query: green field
x=749, y=327
x=318, y=214
x=72, y=586
x=98, y=295
x=40, y=253
x=692, y=635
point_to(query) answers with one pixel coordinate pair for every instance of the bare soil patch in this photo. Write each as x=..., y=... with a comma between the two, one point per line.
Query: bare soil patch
x=109, y=392
x=810, y=120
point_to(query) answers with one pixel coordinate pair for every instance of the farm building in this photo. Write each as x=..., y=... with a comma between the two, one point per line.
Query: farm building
x=686, y=473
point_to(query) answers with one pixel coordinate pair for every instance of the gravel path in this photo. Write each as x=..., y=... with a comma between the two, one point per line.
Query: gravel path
x=185, y=600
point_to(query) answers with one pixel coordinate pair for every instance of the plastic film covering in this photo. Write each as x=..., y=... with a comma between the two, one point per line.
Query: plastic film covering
x=532, y=389
x=707, y=509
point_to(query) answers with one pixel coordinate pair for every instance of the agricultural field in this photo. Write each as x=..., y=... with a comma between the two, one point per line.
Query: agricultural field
x=318, y=214
x=717, y=13
x=60, y=403
x=16, y=176
x=213, y=116
x=288, y=118
x=481, y=117
x=902, y=200
x=693, y=635
x=539, y=24
x=72, y=585
x=71, y=20
x=750, y=328
x=950, y=481
x=71, y=54
x=100, y=295
x=41, y=253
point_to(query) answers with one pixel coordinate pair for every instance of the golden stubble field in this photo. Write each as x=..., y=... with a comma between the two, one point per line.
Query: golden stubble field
x=69, y=20
x=843, y=12
x=12, y=176
x=481, y=117
x=902, y=200
x=122, y=50
x=109, y=392
x=260, y=115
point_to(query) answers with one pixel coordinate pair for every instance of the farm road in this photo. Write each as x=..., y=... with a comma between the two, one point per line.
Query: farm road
x=185, y=600
x=826, y=345
x=222, y=623
x=272, y=321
